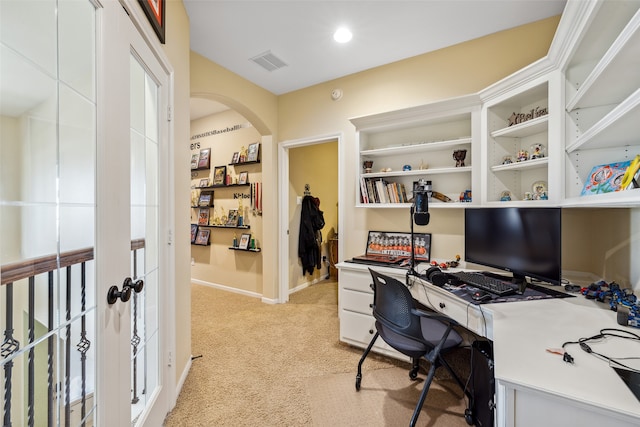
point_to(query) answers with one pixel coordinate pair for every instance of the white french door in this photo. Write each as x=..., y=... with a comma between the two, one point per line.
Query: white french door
x=132, y=152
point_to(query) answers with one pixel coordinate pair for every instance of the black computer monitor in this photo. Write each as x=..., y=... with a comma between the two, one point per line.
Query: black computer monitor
x=524, y=241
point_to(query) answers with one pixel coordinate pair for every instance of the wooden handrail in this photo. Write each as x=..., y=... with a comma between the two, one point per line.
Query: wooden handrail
x=32, y=267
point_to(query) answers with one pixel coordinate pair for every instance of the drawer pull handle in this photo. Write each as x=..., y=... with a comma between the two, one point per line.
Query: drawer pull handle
x=371, y=331
x=442, y=306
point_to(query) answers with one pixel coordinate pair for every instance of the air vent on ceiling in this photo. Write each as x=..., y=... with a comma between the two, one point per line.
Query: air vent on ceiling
x=269, y=61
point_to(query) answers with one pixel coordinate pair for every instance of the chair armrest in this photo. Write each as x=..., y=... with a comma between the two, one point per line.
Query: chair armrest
x=435, y=316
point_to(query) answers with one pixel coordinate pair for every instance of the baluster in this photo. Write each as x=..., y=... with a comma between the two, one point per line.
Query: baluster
x=67, y=356
x=31, y=372
x=84, y=344
x=9, y=346
x=50, y=355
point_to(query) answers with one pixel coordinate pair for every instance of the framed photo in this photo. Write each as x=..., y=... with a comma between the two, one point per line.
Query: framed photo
x=203, y=216
x=194, y=160
x=154, y=9
x=204, y=182
x=244, y=241
x=194, y=232
x=203, y=236
x=204, y=159
x=236, y=157
x=398, y=245
x=232, y=218
x=243, y=178
x=252, y=152
x=205, y=199
x=219, y=175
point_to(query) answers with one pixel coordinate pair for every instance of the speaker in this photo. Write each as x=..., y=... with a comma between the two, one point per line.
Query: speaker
x=482, y=383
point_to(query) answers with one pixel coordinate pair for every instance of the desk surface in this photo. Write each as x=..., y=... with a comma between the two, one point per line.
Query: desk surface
x=522, y=331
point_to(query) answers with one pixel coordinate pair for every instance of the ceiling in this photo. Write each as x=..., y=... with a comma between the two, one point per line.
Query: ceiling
x=300, y=33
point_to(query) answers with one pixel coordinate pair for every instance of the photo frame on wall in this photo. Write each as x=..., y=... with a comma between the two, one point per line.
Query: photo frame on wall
x=243, y=178
x=253, y=151
x=244, y=241
x=203, y=216
x=194, y=160
x=154, y=9
x=203, y=236
x=205, y=199
x=235, y=158
x=194, y=232
x=219, y=175
x=205, y=158
x=232, y=218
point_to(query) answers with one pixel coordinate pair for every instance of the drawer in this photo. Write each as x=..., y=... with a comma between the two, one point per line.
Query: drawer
x=356, y=280
x=357, y=329
x=356, y=301
x=471, y=316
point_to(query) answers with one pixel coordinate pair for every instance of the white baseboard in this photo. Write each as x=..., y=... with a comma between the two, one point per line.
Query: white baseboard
x=182, y=379
x=227, y=288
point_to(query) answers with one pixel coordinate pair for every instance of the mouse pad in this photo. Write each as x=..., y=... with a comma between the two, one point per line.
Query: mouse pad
x=532, y=292
x=631, y=379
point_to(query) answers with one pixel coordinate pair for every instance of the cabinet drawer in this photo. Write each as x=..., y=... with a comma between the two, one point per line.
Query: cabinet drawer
x=356, y=280
x=356, y=301
x=357, y=329
x=470, y=316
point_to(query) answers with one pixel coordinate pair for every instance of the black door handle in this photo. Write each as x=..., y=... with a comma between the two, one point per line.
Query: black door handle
x=128, y=286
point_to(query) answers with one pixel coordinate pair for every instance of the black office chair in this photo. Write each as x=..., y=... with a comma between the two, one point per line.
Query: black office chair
x=413, y=332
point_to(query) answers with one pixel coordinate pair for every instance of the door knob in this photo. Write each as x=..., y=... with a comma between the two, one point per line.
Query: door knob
x=113, y=294
x=128, y=286
x=136, y=286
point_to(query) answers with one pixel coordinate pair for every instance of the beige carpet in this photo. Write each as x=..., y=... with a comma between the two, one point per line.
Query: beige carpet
x=283, y=365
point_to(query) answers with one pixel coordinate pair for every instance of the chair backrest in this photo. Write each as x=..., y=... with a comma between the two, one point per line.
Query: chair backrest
x=392, y=305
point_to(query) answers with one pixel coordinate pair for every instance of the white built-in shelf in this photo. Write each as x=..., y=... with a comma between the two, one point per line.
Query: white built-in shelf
x=621, y=127
x=522, y=130
x=527, y=164
x=417, y=148
x=417, y=172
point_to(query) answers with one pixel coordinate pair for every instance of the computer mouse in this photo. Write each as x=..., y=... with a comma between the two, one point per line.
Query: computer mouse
x=480, y=296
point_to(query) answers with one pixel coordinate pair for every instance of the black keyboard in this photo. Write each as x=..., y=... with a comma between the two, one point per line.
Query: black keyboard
x=489, y=284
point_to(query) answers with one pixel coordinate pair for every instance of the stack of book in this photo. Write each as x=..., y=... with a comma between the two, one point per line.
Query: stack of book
x=377, y=190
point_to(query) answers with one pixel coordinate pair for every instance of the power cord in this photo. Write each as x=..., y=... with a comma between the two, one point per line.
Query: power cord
x=606, y=332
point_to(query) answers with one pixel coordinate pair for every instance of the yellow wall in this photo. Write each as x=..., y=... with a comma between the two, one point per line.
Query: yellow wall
x=177, y=50
x=458, y=70
x=260, y=108
x=316, y=165
x=216, y=264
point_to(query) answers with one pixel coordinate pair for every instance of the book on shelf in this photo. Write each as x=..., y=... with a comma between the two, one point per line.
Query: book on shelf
x=378, y=190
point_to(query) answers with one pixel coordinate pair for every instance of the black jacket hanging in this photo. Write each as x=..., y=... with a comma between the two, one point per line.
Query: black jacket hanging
x=310, y=238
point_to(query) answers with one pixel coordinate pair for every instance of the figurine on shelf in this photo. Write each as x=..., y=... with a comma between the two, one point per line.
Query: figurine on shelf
x=505, y=196
x=465, y=196
x=243, y=154
x=459, y=156
x=423, y=165
x=507, y=160
x=367, y=165
x=537, y=151
x=523, y=155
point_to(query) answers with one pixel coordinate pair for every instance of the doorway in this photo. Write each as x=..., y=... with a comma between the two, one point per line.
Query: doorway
x=288, y=257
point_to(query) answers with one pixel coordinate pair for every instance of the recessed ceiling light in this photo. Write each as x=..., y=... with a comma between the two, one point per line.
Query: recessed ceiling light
x=342, y=35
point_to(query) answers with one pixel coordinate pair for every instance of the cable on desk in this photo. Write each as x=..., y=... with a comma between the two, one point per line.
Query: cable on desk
x=606, y=332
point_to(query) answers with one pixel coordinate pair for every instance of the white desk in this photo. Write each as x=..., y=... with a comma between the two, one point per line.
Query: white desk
x=534, y=387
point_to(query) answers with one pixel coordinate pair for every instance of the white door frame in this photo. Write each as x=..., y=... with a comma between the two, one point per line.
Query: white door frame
x=167, y=397
x=283, y=202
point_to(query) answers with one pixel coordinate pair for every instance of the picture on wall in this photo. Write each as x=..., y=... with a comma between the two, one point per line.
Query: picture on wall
x=206, y=198
x=194, y=232
x=244, y=241
x=204, y=159
x=203, y=216
x=232, y=218
x=194, y=160
x=154, y=9
x=219, y=175
x=253, y=151
x=243, y=178
x=235, y=158
x=204, y=182
x=203, y=236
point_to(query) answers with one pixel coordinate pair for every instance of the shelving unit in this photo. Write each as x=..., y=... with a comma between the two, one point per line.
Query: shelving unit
x=244, y=250
x=602, y=89
x=507, y=173
x=423, y=138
